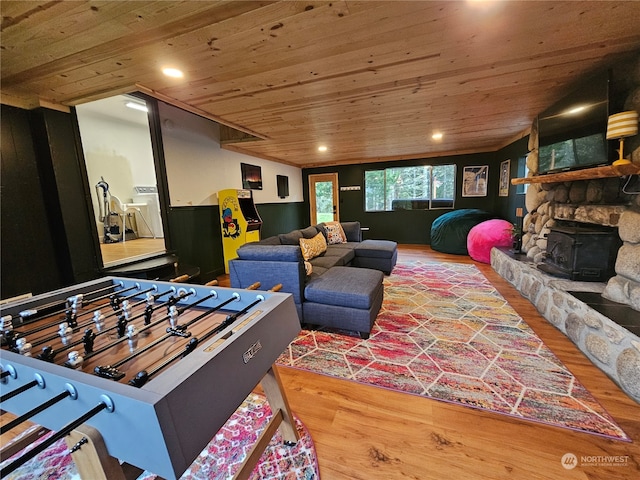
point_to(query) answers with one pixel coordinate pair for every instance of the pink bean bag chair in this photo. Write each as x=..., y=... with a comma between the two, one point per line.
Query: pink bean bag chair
x=486, y=235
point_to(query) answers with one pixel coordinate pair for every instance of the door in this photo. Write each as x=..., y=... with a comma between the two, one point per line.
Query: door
x=323, y=198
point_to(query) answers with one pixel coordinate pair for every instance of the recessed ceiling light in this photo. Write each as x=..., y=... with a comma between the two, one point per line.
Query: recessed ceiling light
x=137, y=106
x=437, y=136
x=173, y=72
x=322, y=148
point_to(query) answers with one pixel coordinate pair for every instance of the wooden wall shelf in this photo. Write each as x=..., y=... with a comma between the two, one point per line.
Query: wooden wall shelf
x=585, y=174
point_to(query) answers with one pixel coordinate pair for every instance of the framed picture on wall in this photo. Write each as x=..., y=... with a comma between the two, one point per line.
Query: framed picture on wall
x=251, y=176
x=503, y=190
x=474, y=181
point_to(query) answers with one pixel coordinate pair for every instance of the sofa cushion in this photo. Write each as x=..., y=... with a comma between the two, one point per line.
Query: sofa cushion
x=352, y=231
x=334, y=233
x=376, y=249
x=317, y=272
x=273, y=253
x=291, y=238
x=327, y=261
x=309, y=232
x=346, y=287
x=313, y=247
x=291, y=275
x=342, y=250
x=274, y=240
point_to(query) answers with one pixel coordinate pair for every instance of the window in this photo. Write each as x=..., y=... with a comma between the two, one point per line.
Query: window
x=421, y=187
x=523, y=171
x=443, y=179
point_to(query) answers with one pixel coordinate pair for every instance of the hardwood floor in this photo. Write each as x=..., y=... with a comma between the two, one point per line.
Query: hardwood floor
x=114, y=253
x=368, y=433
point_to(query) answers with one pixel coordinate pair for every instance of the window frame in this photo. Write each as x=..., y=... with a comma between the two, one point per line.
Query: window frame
x=432, y=189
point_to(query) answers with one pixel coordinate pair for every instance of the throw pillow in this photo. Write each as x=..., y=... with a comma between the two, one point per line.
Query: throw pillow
x=335, y=233
x=312, y=247
x=308, y=268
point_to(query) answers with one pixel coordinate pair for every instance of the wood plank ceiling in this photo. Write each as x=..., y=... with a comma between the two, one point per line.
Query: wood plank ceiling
x=371, y=80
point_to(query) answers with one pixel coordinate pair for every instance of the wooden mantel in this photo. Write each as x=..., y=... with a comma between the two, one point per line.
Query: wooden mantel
x=585, y=174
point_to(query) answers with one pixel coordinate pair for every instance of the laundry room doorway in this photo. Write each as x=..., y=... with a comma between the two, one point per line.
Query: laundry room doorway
x=120, y=166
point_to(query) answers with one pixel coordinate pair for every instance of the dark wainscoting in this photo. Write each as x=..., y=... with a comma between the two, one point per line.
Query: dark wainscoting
x=196, y=234
x=282, y=217
x=197, y=239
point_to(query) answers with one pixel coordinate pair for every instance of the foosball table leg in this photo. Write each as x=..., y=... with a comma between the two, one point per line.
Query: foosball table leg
x=90, y=455
x=282, y=419
x=272, y=386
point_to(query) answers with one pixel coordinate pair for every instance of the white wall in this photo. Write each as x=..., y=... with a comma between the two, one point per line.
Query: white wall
x=197, y=167
x=118, y=149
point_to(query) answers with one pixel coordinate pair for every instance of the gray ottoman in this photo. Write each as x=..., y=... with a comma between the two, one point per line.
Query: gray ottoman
x=344, y=297
x=378, y=254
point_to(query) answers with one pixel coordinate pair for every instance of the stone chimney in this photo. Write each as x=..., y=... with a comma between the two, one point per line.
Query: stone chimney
x=598, y=201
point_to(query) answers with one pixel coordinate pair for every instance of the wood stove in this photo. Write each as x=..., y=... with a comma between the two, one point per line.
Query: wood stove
x=581, y=252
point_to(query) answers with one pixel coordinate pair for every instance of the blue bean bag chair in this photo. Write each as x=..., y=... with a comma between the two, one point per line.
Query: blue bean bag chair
x=449, y=231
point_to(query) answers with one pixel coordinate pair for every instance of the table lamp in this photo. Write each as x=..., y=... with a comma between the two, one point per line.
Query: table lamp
x=620, y=126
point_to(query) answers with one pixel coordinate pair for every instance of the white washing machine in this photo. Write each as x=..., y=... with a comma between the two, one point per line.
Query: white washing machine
x=149, y=196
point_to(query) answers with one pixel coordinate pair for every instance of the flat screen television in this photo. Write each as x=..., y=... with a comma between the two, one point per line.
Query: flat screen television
x=251, y=176
x=282, y=182
x=572, y=132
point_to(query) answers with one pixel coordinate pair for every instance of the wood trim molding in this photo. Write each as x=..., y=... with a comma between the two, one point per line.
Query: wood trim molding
x=585, y=174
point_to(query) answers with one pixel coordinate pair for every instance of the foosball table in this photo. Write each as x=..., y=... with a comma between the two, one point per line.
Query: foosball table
x=147, y=370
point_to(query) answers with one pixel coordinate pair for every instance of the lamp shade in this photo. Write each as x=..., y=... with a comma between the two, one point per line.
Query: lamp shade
x=623, y=124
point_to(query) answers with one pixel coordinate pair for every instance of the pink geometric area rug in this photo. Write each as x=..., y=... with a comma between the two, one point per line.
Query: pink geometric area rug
x=445, y=333
x=219, y=460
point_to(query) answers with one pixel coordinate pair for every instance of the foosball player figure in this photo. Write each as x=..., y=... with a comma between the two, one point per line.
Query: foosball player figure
x=98, y=319
x=23, y=347
x=132, y=333
x=65, y=332
x=6, y=330
x=74, y=360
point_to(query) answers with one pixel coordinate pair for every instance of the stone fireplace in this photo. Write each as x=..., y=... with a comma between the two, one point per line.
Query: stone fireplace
x=584, y=202
x=609, y=202
x=604, y=340
x=602, y=202
x=579, y=251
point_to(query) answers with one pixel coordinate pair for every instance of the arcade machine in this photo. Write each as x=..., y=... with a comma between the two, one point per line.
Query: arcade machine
x=240, y=221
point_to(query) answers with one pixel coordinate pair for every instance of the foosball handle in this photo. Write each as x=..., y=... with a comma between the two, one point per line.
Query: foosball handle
x=180, y=279
x=276, y=288
x=211, y=283
x=254, y=286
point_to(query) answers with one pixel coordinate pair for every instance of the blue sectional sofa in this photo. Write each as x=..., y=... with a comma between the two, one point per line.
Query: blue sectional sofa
x=340, y=287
